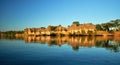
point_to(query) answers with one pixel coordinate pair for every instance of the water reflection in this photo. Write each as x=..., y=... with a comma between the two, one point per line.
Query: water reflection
x=12, y=37
x=109, y=43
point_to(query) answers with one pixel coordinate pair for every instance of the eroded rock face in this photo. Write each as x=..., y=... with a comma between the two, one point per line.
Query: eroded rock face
x=76, y=29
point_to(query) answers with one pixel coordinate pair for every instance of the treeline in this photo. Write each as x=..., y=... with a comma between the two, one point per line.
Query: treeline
x=111, y=26
x=12, y=32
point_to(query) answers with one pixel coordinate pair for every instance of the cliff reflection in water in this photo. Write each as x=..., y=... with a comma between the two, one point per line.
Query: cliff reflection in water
x=110, y=43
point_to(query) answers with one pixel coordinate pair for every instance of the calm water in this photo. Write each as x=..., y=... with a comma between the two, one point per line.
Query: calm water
x=60, y=51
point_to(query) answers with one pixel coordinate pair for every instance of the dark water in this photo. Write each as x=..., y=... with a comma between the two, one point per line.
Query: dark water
x=60, y=51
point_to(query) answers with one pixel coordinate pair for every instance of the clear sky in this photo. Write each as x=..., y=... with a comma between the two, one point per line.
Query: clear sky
x=19, y=14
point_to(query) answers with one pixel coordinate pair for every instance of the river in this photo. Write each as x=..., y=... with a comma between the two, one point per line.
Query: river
x=46, y=50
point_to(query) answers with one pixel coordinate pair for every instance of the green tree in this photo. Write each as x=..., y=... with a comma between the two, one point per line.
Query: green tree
x=43, y=27
x=76, y=22
x=90, y=32
x=83, y=32
x=115, y=24
x=99, y=27
x=53, y=28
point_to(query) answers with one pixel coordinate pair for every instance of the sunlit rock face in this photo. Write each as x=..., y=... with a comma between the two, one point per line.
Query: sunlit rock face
x=58, y=30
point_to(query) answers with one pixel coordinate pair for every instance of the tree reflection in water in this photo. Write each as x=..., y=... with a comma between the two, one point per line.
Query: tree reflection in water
x=109, y=43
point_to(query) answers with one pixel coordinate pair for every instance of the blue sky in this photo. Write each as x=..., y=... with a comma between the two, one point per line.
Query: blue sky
x=20, y=14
